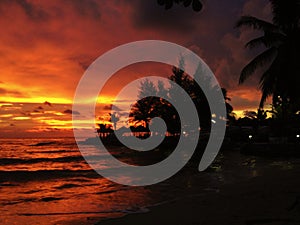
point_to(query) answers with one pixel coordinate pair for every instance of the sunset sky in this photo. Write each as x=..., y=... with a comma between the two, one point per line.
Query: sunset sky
x=45, y=47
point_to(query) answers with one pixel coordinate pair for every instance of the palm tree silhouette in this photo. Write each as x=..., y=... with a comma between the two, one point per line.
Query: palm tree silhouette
x=229, y=108
x=280, y=59
x=114, y=118
x=146, y=107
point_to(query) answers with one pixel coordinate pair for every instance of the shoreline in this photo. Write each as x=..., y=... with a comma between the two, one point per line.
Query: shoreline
x=273, y=198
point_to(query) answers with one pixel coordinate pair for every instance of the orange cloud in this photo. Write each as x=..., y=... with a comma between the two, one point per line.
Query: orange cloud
x=45, y=47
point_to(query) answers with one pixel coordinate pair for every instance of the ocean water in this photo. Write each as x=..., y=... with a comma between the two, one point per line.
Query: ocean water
x=46, y=181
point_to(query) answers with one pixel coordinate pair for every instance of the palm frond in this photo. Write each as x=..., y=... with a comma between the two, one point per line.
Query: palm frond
x=273, y=79
x=255, y=23
x=257, y=62
x=254, y=43
x=269, y=39
x=266, y=86
x=286, y=13
x=263, y=99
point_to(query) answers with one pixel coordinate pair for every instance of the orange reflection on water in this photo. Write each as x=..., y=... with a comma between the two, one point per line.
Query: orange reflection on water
x=47, y=182
x=69, y=201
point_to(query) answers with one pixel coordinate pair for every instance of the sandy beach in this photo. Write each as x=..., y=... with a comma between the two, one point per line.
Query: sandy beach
x=273, y=198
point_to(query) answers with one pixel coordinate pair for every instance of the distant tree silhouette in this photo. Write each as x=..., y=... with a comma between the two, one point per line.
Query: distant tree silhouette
x=183, y=84
x=149, y=107
x=229, y=108
x=180, y=78
x=281, y=57
x=260, y=116
x=250, y=114
x=196, y=4
x=281, y=110
x=142, y=110
x=114, y=118
x=104, y=130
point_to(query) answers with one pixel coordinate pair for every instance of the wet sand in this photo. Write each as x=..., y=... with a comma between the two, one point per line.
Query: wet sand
x=273, y=198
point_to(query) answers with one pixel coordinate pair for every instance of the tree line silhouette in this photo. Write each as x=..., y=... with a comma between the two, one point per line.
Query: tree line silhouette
x=196, y=4
x=149, y=105
x=155, y=101
x=279, y=80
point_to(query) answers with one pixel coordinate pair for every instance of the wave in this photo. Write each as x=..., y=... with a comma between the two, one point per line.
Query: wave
x=23, y=176
x=44, y=143
x=51, y=151
x=16, y=161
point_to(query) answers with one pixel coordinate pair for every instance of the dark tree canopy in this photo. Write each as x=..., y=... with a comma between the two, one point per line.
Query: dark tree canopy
x=196, y=4
x=150, y=106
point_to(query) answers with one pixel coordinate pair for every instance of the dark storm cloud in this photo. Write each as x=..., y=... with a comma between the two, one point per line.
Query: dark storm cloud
x=109, y=108
x=4, y=91
x=220, y=44
x=88, y=8
x=211, y=34
x=148, y=14
x=39, y=12
x=69, y=111
x=46, y=43
x=83, y=60
x=202, y=32
x=234, y=56
x=32, y=11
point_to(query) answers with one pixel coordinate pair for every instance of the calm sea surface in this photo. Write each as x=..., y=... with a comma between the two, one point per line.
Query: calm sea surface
x=46, y=182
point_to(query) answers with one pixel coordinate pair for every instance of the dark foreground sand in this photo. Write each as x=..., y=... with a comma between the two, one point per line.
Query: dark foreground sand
x=273, y=198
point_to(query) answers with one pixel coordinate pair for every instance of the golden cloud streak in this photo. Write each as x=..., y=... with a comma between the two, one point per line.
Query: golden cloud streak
x=6, y=115
x=21, y=118
x=35, y=100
